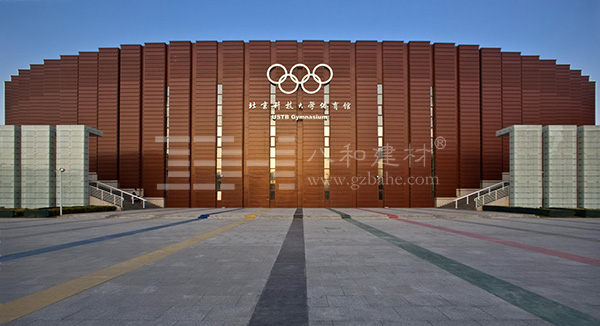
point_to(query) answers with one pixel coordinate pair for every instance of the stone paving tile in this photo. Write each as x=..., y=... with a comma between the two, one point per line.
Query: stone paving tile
x=542, y=274
x=353, y=277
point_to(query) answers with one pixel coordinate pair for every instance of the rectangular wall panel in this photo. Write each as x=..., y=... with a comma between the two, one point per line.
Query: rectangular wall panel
x=469, y=117
x=588, y=171
x=232, y=79
x=256, y=133
x=52, y=92
x=69, y=66
x=547, y=95
x=367, y=66
x=590, y=114
x=178, y=82
x=23, y=99
x=38, y=166
x=8, y=104
x=491, y=114
x=343, y=123
x=87, y=106
x=530, y=69
x=286, y=186
x=525, y=165
x=108, y=114
x=310, y=156
x=446, y=118
x=154, y=91
x=420, y=81
x=562, y=95
x=575, y=103
x=511, y=99
x=560, y=166
x=204, y=115
x=130, y=128
x=10, y=163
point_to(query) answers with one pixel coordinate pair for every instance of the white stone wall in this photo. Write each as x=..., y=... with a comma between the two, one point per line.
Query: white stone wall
x=560, y=166
x=72, y=154
x=525, y=164
x=10, y=166
x=588, y=164
x=38, y=163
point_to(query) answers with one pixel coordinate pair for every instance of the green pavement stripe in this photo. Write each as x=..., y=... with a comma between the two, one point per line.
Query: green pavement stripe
x=536, y=304
x=343, y=215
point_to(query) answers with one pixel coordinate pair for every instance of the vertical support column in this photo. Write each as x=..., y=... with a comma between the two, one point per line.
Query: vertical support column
x=8, y=101
x=72, y=154
x=368, y=62
x=38, y=168
x=420, y=81
x=511, y=98
x=87, y=106
x=23, y=99
x=10, y=166
x=154, y=115
x=178, y=123
x=51, y=105
x=232, y=79
x=204, y=123
x=313, y=154
x=525, y=164
x=491, y=115
x=469, y=121
x=343, y=123
x=69, y=66
x=560, y=166
x=446, y=121
x=286, y=53
x=108, y=114
x=256, y=140
x=588, y=167
x=130, y=107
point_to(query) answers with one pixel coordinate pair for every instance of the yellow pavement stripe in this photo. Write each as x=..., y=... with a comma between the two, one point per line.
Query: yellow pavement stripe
x=253, y=215
x=38, y=300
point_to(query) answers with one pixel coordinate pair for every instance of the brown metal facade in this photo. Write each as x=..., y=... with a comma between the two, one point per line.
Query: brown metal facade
x=173, y=115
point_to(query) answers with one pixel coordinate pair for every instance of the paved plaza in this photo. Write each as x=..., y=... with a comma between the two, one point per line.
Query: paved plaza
x=306, y=266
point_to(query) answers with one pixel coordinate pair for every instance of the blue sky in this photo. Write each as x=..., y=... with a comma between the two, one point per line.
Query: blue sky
x=33, y=30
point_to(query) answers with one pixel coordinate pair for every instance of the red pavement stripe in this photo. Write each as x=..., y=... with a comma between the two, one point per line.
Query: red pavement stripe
x=388, y=215
x=577, y=258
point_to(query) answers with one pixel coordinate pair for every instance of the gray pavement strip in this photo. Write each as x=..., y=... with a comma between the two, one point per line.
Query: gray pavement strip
x=531, y=302
x=284, y=297
x=55, y=222
x=559, y=225
x=531, y=231
x=77, y=229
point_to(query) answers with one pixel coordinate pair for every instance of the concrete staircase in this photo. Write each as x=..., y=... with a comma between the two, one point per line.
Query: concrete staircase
x=480, y=197
x=118, y=197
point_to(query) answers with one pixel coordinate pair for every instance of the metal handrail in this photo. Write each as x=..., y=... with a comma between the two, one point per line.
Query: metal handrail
x=106, y=196
x=483, y=199
x=122, y=192
x=488, y=189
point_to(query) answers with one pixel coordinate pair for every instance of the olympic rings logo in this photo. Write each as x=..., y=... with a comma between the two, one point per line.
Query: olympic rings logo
x=299, y=82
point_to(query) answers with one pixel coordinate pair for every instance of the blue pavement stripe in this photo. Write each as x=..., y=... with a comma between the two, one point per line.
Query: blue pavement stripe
x=34, y=252
x=531, y=302
x=215, y=213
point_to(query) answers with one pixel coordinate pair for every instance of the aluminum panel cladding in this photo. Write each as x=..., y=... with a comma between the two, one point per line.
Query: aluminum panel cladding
x=491, y=114
x=130, y=124
x=469, y=167
x=446, y=118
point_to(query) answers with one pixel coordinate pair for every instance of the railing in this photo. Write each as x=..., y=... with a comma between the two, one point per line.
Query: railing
x=492, y=196
x=117, y=191
x=480, y=192
x=106, y=196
